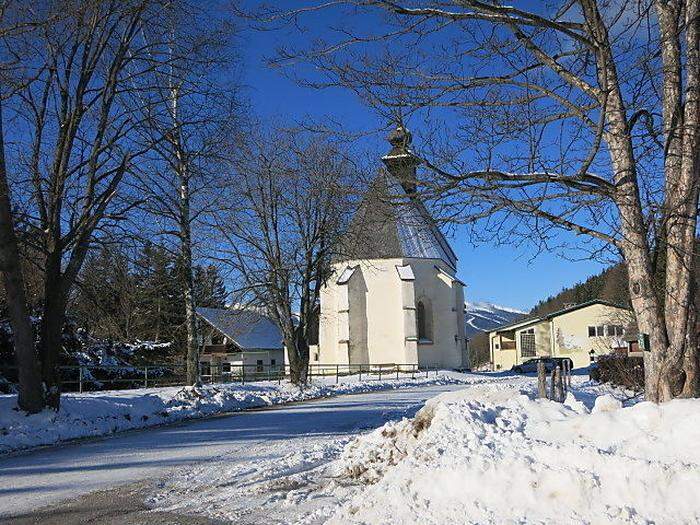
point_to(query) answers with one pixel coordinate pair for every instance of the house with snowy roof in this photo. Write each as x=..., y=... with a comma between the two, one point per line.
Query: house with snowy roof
x=394, y=296
x=232, y=337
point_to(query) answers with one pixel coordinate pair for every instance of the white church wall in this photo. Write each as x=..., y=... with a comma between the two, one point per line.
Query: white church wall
x=372, y=292
x=445, y=349
x=385, y=314
x=376, y=294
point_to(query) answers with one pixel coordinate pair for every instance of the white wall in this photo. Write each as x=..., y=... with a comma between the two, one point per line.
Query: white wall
x=389, y=302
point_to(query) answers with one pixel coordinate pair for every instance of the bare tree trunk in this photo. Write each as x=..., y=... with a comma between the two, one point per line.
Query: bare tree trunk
x=157, y=333
x=634, y=246
x=691, y=364
x=298, y=352
x=691, y=359
x=681, y=131
x=188, y=280
x=51, y=332
x=31, y=398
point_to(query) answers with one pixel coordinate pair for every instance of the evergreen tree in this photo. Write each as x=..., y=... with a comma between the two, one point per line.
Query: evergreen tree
x=158, y=295
x=209, y=287
x=105, y=302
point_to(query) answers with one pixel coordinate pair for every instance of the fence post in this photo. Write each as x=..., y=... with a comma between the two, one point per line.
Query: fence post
x=243, y=373
x=413, y=371
x=541, y=380
x=397, y=372
x=80, y=379
x=145, y=377
x=551, y=386
x=337, y=373
x=360, y=373
x=559, y=385
x=380, y=372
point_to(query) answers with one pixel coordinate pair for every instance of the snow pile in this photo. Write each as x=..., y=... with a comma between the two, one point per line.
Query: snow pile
x=100, y=413
x=495, y=455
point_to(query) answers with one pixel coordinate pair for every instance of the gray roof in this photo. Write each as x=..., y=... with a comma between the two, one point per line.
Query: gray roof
x=249, y=329
x=390, y=223
x=557, y=313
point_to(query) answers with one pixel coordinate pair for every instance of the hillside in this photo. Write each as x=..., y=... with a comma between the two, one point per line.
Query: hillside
x=609, y=285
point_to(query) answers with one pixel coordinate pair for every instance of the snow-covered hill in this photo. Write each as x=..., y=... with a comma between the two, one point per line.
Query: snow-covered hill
x=482, y=317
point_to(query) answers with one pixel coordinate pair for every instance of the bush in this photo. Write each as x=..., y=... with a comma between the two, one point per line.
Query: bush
x=620, y=370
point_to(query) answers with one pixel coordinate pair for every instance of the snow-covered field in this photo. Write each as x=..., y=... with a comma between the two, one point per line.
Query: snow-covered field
x=488, y=453
x=101, y=413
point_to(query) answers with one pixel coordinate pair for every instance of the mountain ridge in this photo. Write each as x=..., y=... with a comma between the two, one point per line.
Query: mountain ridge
x=484, y=316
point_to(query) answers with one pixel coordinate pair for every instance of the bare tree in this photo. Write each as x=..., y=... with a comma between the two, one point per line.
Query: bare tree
x=30, y=396
x=580, y=116
x=73, y=144
x=283, y=226
x=197, y=110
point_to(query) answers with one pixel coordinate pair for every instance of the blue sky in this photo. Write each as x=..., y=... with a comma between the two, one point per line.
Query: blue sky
x=502, y=275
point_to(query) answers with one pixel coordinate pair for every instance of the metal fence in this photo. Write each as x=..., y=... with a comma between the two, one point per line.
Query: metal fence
x=119, y=377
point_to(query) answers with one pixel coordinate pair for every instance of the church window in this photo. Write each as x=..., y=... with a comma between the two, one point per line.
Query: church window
x=423, y=321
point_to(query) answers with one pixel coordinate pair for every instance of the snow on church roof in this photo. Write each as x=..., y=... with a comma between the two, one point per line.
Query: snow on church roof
x=418, y=234
x=390, y=223
x=249, y=329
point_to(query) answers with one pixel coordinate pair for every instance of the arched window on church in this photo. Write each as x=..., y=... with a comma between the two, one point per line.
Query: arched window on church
x=423, y=321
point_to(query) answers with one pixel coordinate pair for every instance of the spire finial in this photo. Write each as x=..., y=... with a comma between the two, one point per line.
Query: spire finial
x=400, y=137
x=400, y=161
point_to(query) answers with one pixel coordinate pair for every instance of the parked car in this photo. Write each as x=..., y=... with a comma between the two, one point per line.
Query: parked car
x=550, y=363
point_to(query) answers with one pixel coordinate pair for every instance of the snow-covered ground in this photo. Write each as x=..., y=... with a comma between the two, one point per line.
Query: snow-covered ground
x=242, y=441
x=106, y=412
x=482, y=451
x=485, y=453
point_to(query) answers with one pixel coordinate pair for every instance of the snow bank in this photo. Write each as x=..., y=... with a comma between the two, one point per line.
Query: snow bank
x=100, y=413
x=492, y=454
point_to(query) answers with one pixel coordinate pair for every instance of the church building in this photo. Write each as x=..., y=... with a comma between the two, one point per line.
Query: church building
x=394, y=296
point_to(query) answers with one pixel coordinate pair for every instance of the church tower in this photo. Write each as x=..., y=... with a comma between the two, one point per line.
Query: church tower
x=394, y=296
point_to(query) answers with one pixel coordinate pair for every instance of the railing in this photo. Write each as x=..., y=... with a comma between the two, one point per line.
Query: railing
x=224, y=373
x=120, y=377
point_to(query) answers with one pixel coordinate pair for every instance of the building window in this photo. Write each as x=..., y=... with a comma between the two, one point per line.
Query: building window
x=603, y=330
x=527, y=343
x=259, y=365
x=424, y=321
x=420, y=319
x=273, y=362
x=616, y=330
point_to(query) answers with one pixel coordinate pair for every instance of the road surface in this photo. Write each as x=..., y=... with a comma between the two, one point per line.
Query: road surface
x=58, y=476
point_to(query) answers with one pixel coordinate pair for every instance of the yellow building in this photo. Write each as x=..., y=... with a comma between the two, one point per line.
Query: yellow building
x=394, y=296
x=574, y=332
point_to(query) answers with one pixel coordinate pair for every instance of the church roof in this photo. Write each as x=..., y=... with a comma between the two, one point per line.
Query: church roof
x=393, y=223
